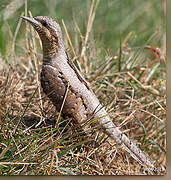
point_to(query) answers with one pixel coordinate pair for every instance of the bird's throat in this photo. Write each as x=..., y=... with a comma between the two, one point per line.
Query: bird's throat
x=50, y=49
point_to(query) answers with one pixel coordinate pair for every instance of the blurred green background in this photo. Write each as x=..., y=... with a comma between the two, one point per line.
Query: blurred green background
x=114, y=20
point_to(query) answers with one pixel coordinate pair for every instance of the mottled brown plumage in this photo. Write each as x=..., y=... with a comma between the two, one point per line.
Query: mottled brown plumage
x=58, y=73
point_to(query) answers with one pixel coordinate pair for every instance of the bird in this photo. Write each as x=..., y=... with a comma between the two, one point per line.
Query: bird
x=64, y=84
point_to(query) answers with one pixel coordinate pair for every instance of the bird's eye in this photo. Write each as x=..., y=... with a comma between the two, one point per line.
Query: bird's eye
x=44, y=23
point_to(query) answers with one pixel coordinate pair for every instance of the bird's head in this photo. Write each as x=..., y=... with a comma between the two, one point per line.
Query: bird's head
x=49, y=32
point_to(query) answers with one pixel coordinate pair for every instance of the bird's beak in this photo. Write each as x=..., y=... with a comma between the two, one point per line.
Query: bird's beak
x=36, y=24
x=29, y=19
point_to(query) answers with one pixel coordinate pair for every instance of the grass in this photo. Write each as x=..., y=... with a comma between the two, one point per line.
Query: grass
x=128, y=79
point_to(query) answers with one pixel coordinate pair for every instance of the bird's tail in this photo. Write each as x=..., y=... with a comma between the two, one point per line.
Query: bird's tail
x=120, y=138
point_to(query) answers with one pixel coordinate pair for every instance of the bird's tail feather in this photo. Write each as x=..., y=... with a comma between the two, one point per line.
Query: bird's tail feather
x=121, y=139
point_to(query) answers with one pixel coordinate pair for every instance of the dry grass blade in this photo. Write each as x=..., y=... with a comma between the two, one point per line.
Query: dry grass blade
x=89, y=27
x=36, y=65
x=16, y=163
x=56, y=141
x=15, y=35
x=68, y=38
